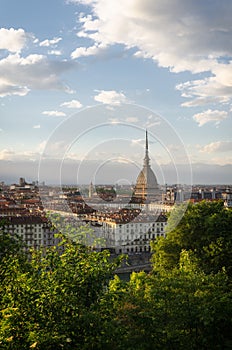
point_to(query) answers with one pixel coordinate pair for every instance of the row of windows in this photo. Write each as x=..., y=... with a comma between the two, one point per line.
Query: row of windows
x=39, y=235
x=127, y=226
x=25, y=226
x=39, y=242
x=148, y=236
x=153, y=228
x=133, y=231
x=135, y=249
x=22, y=230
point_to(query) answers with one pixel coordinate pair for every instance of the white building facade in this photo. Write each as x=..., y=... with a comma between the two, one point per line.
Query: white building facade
x=35, y=231
x=134, y=236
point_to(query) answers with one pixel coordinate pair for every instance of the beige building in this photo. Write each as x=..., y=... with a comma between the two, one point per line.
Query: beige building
x=35, y=231
x=133, y=236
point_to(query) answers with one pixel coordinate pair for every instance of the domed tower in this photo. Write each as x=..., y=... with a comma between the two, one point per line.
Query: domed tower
x=146, y=187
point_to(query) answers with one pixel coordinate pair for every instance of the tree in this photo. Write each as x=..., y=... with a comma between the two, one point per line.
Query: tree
x=54, y=303
x=177, y=309
x=66, y=297
x=9, y=245
x=205, y=230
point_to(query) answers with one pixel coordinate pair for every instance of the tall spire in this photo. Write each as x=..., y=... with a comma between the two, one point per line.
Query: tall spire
x=146, y=159
x=146, y=141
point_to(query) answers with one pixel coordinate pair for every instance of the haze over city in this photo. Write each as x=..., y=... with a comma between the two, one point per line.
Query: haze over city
x=81, y=81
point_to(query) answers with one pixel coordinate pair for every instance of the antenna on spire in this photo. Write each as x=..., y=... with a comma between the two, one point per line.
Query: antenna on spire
x=146, y=141
x=146, y=159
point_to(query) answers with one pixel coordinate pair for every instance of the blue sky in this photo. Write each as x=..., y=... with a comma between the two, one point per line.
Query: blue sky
x=173, y=58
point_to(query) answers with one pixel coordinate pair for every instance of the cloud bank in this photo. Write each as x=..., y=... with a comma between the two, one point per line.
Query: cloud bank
x=194, y=36
x=21, y=73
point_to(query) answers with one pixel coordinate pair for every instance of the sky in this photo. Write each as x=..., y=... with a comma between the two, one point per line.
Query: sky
x=81, y=80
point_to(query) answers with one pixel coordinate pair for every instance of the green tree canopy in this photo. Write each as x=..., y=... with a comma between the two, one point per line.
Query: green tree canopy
x=53, y=303
x=205, y=230
x=172, y=310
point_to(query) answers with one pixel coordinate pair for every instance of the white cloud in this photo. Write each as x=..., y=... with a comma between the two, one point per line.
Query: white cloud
x=201, y=101
x=54, y=113
x=50, y=42
x=7, y=89
x=153, y=26
x=216, y=89
x=72, y=104
x=137, y=142
x=111, y=97
x=12, y=39
x=218, y=146
x=6, y=154
x=18, y=75
x=210, y=116
x=55, y=52
x=36, y=126
x=12, y=155
x=180, y=35
x=87, y=51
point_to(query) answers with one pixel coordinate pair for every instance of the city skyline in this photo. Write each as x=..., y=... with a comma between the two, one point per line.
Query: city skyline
x=63, y=60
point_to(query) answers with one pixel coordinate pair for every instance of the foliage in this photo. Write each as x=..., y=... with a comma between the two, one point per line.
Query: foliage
x=10, y=247
x=52, y=303
x=71, y=228
x=178, y=309
x=66, y=297
x=205, y=230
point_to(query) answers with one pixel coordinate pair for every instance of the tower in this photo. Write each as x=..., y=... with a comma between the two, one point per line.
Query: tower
x=22, y=182
x=146, y=188
x=91, y=190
